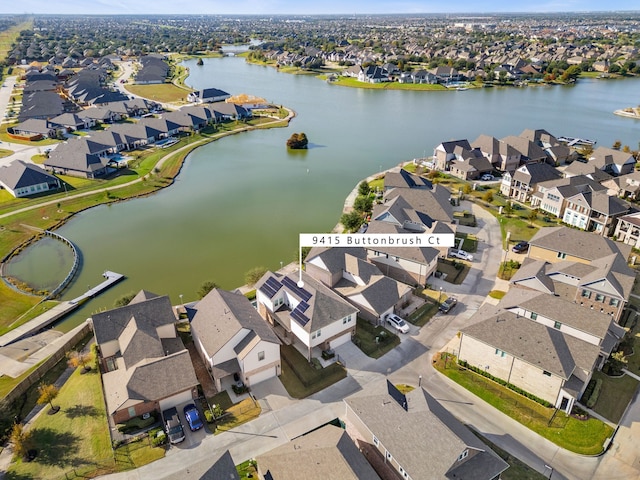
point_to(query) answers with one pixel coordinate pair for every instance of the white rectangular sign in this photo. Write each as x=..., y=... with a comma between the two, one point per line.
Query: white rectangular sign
x=377, y=240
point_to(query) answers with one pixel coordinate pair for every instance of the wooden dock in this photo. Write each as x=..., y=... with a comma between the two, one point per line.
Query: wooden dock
x=111, y=279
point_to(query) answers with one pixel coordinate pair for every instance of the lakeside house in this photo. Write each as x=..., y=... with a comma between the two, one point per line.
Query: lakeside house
x=22, y=179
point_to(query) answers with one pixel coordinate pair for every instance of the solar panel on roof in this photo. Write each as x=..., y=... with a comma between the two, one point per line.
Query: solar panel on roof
x=301, y=292
x=302, y=306
x=270, y=287
x=299, y=317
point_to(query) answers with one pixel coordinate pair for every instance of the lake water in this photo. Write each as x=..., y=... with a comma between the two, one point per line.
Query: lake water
x=242, y=201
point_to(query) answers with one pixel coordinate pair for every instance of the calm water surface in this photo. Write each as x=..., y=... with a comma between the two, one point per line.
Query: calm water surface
x=240, y=202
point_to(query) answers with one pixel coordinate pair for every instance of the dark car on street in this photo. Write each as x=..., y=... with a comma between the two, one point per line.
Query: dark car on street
x=448, y=304
x=520, y=247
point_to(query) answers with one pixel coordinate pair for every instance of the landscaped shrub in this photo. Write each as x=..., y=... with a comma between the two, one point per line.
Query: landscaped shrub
x=502, y=382
x=592, y=392
x=159, y=439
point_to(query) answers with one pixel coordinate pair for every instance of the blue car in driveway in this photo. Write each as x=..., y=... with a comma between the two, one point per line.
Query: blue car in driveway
x=193, y=417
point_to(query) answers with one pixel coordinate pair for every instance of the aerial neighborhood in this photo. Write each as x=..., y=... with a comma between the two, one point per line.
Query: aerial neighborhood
x=508, y=355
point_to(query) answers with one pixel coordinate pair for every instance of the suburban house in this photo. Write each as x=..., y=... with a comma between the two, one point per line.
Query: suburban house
x=22, y=179
x=208, y=95
x=325, y=453
x=218, y=466
x=347, y=272
x=154, y=69
x=411, y=436
x=35, y=128
x=41, y=105
x=502, y=156
x=588, y=170
x=557, y=153
x=373, y=74
x=614, y=162
x=521, y=184
x=444, y=153
x=232, y=338
x=551, y=196
x=445, y=74
x=594, y=211
x=470, y=165
x=625, y=186
x=79, y=158
x=588, y=269
x=145, y=366
x=405, y=179
x=628, y=229
x=543, y=344
x=72, y=122
x=530, y=151
x=311, y=317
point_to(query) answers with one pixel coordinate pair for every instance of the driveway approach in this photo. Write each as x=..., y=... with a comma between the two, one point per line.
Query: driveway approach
x=284, y=419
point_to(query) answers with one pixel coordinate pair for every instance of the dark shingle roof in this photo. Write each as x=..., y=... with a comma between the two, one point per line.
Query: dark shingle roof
x=19, y=174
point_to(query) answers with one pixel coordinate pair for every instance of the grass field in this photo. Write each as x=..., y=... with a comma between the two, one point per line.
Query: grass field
x=578, y=436
x=5, y=153
x=240, y=413
x=373, y=340
x=163, y=92
x=300, y=379
x=7, y=37
x=615, y=395
x=76, y=440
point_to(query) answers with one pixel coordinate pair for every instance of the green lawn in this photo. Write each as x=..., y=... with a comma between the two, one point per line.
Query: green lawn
x=300, y=379
x=615, y=395
x=517, y=470
x=582, y=437
x=76, y=439
x=455, y=275
x=421, y=316
x=241, y=412
x=352, y=82
x=163, y=92
x=221, y=399
x=36, y=310
x=247, y=469
x=366, y=335
x=5, y=153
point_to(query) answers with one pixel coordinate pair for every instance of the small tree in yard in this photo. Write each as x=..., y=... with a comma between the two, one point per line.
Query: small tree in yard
x=488, y=196
x=351, y=220
x=21, y=440
x=205, y=288
x=48, y=392
x=363, y=204
x=533, y=216
x=78, y=358
x=255, y=274
x=364, y=189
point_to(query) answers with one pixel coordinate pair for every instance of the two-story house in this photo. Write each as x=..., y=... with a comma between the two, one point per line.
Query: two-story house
x=304, y=312
x=520, y=185
x=551, y=196
x=145, y=366
x=503, y=157
x=232, y=338
x=594, y=211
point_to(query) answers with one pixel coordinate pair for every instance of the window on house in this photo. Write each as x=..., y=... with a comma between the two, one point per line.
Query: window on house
x=376, y=442
x=614, y=302
x=463, y=455
x=586, y=293
x=318, y=333
x=557, y=325
x=260, y=355
x=111, y=364
x=500, y=352
x=548, y=374
x=599, y=297
x=131, y=411
x=389, y=456
x=562, y=255
x=534, y=315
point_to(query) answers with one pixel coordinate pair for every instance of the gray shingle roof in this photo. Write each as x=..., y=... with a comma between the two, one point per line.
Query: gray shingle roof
x=221, y=314
x=577, y=243
x=425, y=440
x=546, y=348
x=404, y=179
x=19, y=174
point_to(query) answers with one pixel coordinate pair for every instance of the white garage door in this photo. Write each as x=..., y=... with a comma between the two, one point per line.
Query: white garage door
x=341, y=340
x=262, y=376
x=177, y=399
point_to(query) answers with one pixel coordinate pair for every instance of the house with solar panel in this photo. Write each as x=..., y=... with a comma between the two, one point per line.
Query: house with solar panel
x=232, y=339
x=307, y=315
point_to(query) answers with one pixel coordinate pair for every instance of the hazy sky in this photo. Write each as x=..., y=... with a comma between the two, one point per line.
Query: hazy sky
x=307, y=6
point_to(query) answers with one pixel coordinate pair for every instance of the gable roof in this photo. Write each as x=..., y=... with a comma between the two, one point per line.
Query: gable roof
x=578, y=243
x=221, y=314
x=405, y=179
x=534, y=173
x=603, y=156
x=321, y=454
x=19, y=174
x=543, y=347
x=426, y=440
x=154, y=312
x=323, y=306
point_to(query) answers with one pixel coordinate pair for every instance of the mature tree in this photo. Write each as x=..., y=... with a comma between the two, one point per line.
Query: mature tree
x=205, y=288
x=617, y=145
x=78, y=358
x=363, y=204
x=351, y=220
x=533, y=216
x=502, y=77
x=298, y=141
x=364, y=189
x=255, y=274
x=48, y=392
x=124, y=299
x=21, y=440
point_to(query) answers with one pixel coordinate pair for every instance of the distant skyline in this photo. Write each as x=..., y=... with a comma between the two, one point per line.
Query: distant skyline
x=302, y=7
